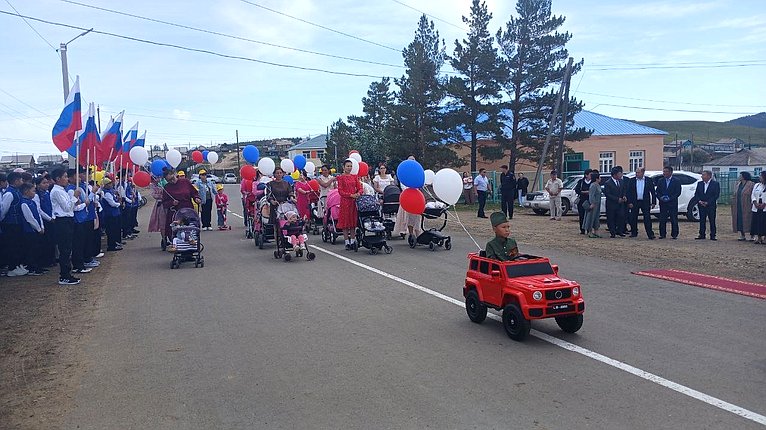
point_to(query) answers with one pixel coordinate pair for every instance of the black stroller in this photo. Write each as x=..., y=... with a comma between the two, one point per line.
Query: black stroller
x=186, y=244
x=433, y=237
x=370, y=231
x=390, y=208
x=263, y=231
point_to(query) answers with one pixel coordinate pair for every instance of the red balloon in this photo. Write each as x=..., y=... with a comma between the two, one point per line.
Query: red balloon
x=142, y=179
x=247, y=172
x=314, y=185
x=198, y=157
x=247, y=184
x=353, y=151
x=364, y=169
x=413, y=201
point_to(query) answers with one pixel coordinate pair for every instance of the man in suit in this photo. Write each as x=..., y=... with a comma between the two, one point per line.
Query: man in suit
x=668, y=190
x=706, y=197
x=641, y=200
x=614, y=191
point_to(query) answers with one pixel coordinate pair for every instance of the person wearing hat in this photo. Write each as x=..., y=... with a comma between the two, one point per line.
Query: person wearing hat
x=207, y=193
x=503, y=247
x=221, y=205
x=553, y=187
x=181, y=174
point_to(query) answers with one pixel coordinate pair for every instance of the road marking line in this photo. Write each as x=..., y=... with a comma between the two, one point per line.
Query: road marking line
x=236, y=214
x=713, y=401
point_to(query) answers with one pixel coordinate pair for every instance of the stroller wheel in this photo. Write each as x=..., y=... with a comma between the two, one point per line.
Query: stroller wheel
x=448, y=244
x=173, y=264
x=288, y=257
x=310, y=256
x=411, y=241
x=299, y=253
x=334, y=239
x=388, y=249
x=277, y=255
x=261, y=241
x=432, y=246
x=373, y=251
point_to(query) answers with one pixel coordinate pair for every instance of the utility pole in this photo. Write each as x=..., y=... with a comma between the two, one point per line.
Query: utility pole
x=560, y=151
x=239, y=164
x=98, y=114
x=64, y=70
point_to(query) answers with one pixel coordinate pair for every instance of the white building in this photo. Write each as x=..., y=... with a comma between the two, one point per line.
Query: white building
x=745, y=160
x=312, y=149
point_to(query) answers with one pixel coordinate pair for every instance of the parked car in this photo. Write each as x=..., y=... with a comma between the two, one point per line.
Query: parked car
x=229, y=178
x=539, y=201
x=215, y=179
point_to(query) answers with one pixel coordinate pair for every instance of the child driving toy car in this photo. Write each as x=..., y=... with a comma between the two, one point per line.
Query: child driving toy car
x=503, y=247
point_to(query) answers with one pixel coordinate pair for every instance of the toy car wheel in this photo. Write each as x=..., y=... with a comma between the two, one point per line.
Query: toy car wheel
x=388, y=249
x=516, y=326
x=477, y=311
x=432, y=246
x=570, y=324
x=448, y=245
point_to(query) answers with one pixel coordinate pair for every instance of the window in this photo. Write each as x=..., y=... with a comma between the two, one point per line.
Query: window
x=307, y=154
x=732, y=169
x=636, y=159
x=605, y=161
x=484, y=267
x=320, y=154
x=757, y=171
x=685, y=179
x=528, y=269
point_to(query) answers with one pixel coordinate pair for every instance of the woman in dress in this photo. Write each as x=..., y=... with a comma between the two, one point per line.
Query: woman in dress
x=349, y=188
x=302, y=193
x=382, y=179
x=593, y=214
x=157, y=218
x=741, y=214
x=758, y=199
x=467, y=189
x=326, y=183
x=178, y=193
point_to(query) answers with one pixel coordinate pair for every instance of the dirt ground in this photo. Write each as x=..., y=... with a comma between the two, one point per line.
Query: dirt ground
x=725, y=257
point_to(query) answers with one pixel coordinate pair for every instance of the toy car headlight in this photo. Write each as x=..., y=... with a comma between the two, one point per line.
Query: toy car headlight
x=537, y=295
x=575, y=291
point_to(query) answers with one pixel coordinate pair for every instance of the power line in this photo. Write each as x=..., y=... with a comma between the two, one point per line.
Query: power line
x=245, y=39
x=701, y=66
x=430, y=16
x=679, y=63
x=30, y=26
x=209, y=122
x=186, y=48
x=670, y=102
x=23, y=102
x=321, y=26
x=672, y=110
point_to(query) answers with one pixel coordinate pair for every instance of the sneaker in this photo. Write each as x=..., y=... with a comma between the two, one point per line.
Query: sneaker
x=82, y=270
x=99, y=255
x=71, y=280
x=134, y=231
x=93, y=263
x=35, y=273
x=18, y=271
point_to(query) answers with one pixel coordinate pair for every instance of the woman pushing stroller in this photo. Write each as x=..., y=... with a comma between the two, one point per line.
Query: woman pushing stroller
x=178, y=193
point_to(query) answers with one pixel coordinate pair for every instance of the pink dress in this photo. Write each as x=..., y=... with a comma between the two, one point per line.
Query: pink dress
x=302, y=200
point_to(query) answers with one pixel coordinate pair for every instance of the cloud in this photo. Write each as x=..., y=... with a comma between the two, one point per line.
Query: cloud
x=182, y=114
x=661, y=9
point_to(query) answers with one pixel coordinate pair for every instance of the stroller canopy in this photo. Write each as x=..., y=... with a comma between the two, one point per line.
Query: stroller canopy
x=391, y=194
x=188, y=214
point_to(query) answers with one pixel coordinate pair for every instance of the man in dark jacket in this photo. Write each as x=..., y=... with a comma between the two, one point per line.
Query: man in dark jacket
x=507, y=191
x=581, y=189
x=706, y=198
x=641, y=200
x=522, y=185
x=615, y=193
x=668, y=190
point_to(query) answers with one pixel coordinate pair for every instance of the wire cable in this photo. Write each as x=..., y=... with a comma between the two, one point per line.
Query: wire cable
x=430, y=16
x=670, y=102
x=24, y=103
x=672, y=110
x=30, y=26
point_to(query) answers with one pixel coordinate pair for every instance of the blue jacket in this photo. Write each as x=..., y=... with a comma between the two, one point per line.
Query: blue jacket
x=26, y=227
x=45, y=202
x=14, y=215
x=80, y=216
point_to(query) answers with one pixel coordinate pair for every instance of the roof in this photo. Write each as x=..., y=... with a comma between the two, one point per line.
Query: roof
x=603, y=125
x=16, y=158
x=50, y=159
x=731, y=140
x=319, y=142
x=745, y=157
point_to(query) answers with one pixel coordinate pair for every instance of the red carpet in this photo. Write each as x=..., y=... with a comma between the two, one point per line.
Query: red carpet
x=708, y=281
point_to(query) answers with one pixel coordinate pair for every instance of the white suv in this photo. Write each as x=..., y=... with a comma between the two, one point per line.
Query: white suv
x=539, y=201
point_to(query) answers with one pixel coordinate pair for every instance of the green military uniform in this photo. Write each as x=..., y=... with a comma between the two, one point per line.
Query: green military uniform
x=500, y=248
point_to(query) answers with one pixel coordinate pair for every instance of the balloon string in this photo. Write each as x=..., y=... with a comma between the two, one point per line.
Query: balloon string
x=456, y=217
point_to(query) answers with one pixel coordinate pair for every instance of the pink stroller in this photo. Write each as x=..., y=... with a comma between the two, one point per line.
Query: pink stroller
x=331, y=214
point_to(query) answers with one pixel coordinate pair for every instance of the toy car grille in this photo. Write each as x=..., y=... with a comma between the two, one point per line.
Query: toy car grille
x=559, y=294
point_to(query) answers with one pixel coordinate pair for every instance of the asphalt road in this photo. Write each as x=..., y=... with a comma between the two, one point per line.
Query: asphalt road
x=253, y=342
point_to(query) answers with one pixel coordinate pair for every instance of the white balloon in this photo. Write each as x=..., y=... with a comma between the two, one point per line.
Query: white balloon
x=354, y=165
x=355, y=156
x=429, y=176
x=212, y=157
x=173, y=157
x=139, y=155
x=287, y=165
x=265, y=179
x=310, y=167
x=266, y=166
x=448, y=185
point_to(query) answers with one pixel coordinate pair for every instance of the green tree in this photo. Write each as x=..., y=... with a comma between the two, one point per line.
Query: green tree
x=340, y=141
x=373, y=130
x=475, y=92
x=534, y=55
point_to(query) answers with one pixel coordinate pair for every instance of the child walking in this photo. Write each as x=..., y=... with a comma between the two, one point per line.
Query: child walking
x=222, y=205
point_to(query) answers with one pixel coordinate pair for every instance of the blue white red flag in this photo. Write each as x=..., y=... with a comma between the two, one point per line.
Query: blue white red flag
x=141, y=141
x=130, y=139
x=88, y=141
x=70, y=120
x=111, y=140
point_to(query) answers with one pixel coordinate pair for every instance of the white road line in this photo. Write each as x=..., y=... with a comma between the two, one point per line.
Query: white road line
x=235, y=214
x=713, y=401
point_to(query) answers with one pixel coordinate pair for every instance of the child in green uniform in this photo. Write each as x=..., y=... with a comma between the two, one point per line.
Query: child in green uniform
x=502, y=247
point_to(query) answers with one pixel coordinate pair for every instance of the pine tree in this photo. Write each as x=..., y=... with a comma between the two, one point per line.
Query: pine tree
x=373, y=130
x=534, y=56
x=476, y=91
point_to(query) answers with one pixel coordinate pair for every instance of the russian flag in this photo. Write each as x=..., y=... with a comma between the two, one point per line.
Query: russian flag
x=87, y=140
x=70, y=120
x=111, y=140
x=130, y=139
x=141, y=141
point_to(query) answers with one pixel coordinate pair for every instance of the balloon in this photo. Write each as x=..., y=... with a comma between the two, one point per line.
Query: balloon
x=333, y=170
x=174, y=158
x=247, y=184
x=138, y=155
x=266, y=166
x=157, y=166
x=412, y=201
x=287, y=165
x=212, y=157
x=448, y=186
x=204, y=154
x=265, y=179
x=411, y=174
x=295, y=175
x=247, y=172
x=299, y=161
x=364, y=169
x=142, y=179
x=197, y=157
x=354, y=155
x=310, y=168
x=314, y=185
x=289, y=180
x=429, y=176
x=167, y=165
x=98, y=176
x=251, y=154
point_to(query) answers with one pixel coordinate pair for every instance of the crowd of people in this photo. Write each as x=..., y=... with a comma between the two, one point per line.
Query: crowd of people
x=61, y=217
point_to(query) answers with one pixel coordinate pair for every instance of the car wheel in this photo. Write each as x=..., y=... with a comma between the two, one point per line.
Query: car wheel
x=570, y=324
x=516, y=326
x=693, y=213
x=539, y=211
x=476, y=310
x=565, y=207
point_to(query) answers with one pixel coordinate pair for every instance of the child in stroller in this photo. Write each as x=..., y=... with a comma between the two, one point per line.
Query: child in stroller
x=330, y=232
x=290, y=231
x=390, y=208
x=370, y=230
x=186, y=244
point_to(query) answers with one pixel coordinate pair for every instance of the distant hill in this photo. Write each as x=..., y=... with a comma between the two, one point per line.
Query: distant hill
x=758, y=120
x=709, y=131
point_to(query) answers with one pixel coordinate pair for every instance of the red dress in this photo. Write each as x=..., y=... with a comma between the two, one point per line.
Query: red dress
x=347, y=185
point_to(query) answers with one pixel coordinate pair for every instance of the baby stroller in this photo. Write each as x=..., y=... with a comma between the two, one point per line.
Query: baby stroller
x=249, y=203
x=330, y=231
x=186, y=244
x=433, y=237
x=315, y=216
x=390, y=208
x=263, y=231
x=288, y=224
x=370, y=231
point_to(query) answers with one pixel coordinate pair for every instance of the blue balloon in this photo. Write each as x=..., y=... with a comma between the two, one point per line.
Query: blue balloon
x=157, y=166
x=289, y=179
x=299, y=162
x=411, y=174
x=167, y=164
x=204, y=154
x=251, y=154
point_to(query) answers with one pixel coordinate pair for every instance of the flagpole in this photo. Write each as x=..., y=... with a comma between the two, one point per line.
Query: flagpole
x=77, y=166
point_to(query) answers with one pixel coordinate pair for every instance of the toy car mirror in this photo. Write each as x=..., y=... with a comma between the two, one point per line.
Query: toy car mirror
x=495, y=273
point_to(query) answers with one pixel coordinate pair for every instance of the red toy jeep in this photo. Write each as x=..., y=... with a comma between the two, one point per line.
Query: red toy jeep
x=526, y=288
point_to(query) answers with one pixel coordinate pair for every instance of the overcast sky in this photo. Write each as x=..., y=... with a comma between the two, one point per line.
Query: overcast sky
x=183, y=97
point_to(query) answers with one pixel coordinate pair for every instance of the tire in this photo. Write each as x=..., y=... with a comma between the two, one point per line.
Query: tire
x=570, y=324
x=432, y=246
x=476, y=310
x=566, y=206
x=448, y=244
x=516, y=326
x=388, y=249
x=540, y=211
x=693, y=213
x=374, y=251
x=310, y=256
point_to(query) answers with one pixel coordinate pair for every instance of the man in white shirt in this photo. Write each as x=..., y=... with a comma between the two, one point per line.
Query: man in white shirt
x=63, y=213
x=481, y=183
x=553, y=187
x=641, y=200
